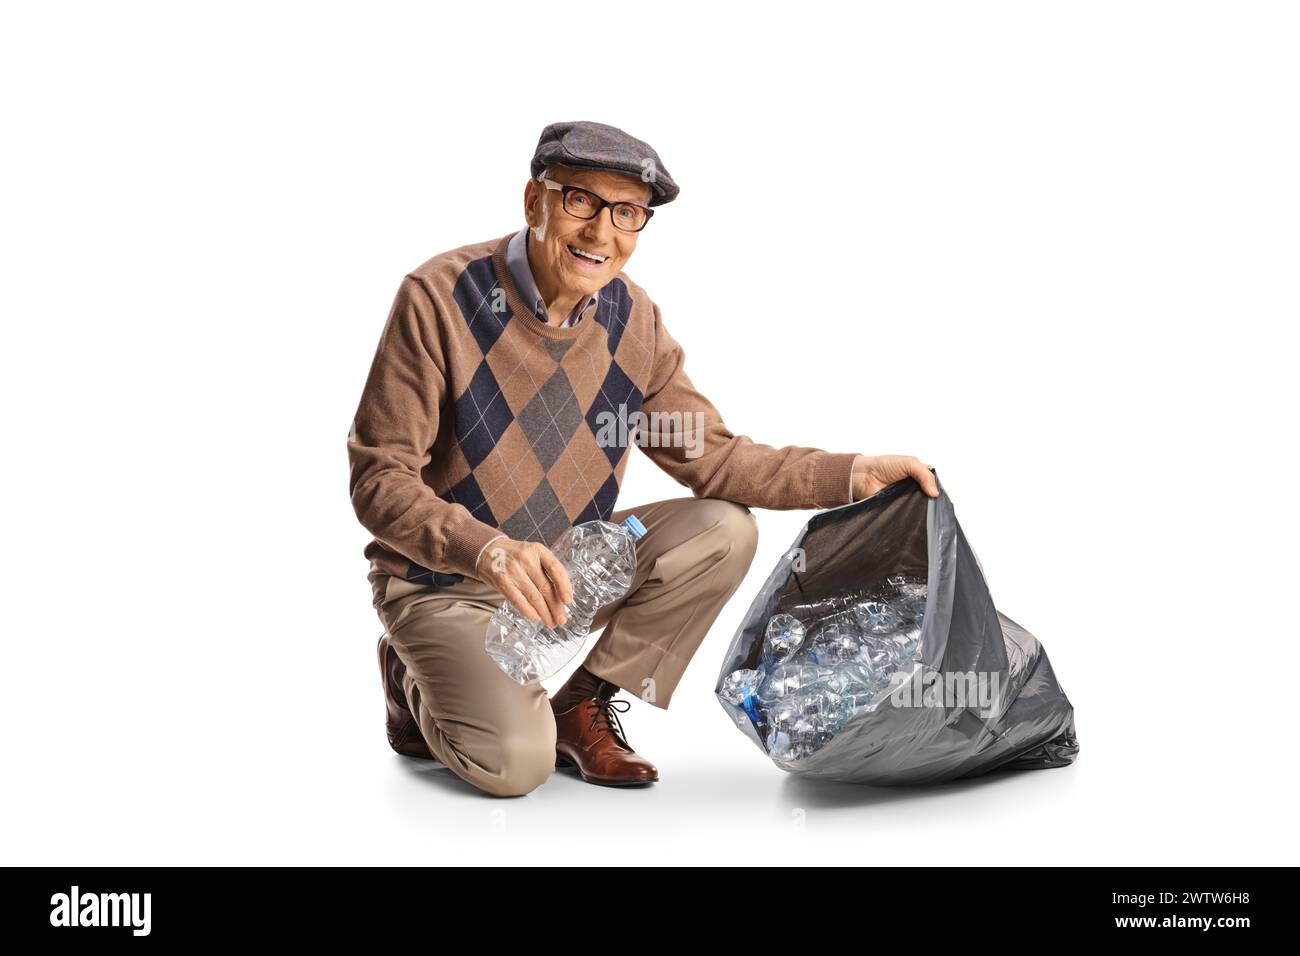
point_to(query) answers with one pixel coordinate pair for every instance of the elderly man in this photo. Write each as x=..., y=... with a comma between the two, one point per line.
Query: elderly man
x=496, y=414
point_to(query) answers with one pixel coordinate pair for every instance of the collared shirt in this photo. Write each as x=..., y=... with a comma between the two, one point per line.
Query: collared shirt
x=522, y=273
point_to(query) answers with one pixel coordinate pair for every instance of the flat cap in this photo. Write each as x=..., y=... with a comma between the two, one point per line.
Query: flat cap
x=597, y=146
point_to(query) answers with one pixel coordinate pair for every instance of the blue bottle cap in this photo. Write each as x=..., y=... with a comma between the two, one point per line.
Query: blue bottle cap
x=635, y=526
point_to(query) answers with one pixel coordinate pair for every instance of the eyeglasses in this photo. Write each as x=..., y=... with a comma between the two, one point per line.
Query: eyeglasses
x=585, y=204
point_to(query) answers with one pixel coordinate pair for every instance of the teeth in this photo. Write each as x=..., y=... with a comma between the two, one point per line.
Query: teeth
x=587, y=255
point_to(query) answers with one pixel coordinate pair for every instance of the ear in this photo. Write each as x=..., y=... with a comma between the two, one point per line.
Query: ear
x=532, y=203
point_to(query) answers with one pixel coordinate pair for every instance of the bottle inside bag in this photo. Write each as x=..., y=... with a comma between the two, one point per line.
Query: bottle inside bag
x=824, y=664
x=600, y=558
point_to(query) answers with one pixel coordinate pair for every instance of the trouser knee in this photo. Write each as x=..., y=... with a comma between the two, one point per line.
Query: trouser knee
x=739, y=529
x=520, y=764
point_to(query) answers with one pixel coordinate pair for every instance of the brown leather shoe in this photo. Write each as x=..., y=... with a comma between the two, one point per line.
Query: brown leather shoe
x=589, y=736
x=403, y=732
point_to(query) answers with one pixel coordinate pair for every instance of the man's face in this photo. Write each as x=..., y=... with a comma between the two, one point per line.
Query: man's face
x=555, y=258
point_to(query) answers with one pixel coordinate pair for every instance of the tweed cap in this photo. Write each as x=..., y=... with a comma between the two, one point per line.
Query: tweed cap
x=587, y=145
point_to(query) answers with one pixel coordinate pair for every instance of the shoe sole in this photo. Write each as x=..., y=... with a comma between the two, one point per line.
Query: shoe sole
x=432, y=760
x=414, y=756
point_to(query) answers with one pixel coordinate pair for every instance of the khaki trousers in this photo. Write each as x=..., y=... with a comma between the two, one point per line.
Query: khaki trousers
x=499, y=735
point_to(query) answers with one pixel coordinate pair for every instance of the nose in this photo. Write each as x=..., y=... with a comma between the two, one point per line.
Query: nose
x=600, y=229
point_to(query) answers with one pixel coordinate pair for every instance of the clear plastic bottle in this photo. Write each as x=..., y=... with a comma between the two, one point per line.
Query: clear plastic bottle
x=600, y=558
x=783, y=637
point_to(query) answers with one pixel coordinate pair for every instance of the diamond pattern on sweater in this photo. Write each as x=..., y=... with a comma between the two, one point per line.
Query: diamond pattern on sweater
x=468, y=493
x=524, y=442
x=610, y=411
x=551, y=418
x=578, y=474
x=542, y=517
x=559, y=348
x=510, y=472
x=482, y=416
x=613, y=310
x=482, y=303
x=601, y=505
x=546, y=467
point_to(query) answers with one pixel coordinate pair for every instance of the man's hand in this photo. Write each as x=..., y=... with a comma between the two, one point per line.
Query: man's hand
x=531, y=578
x=873, y=472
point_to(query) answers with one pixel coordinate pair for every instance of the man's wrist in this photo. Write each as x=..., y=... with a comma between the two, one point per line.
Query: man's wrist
x=479, y=557
x=831, y=473
x=466, y=545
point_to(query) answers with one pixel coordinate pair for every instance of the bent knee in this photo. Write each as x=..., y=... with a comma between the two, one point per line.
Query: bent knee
x=738, y=525
x=520, y=764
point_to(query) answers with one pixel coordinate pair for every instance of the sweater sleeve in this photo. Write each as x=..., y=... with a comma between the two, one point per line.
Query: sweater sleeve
x=686, y=437
x=390, y=441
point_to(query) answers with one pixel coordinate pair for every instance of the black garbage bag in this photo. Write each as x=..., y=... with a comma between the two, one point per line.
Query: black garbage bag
x=971, y=692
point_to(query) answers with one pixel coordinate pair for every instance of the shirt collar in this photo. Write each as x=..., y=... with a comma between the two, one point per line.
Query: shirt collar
x=522, y=274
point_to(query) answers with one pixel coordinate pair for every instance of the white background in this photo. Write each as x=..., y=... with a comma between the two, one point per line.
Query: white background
x=1050, y=248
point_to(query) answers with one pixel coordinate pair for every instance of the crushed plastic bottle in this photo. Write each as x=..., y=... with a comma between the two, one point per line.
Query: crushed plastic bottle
x=600, y=558
x=784, y=635
x=741, y=689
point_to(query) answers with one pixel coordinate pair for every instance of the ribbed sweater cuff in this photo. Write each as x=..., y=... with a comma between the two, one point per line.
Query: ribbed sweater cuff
x=832, y=480
x=463, y=549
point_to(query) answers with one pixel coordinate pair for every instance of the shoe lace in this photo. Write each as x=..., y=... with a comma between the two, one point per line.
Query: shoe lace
x=603, y=715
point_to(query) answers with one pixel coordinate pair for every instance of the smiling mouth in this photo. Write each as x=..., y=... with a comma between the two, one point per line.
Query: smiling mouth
x=588, y=260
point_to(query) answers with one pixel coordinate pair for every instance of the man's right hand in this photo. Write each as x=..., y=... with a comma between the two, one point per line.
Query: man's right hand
x=531, y=578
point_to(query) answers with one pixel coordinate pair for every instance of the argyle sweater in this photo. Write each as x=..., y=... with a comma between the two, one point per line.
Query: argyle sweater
x=478, y=420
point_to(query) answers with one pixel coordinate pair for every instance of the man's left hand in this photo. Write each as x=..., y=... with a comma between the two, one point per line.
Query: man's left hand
x=873, y=472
